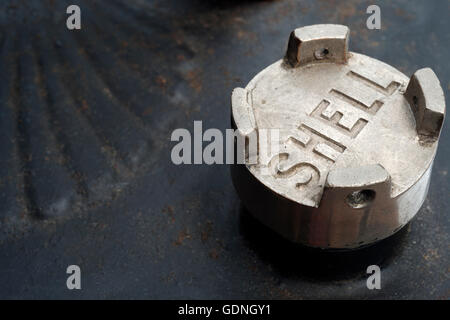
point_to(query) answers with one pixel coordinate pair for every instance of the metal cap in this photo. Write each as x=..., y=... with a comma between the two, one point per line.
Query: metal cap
x=345, y=143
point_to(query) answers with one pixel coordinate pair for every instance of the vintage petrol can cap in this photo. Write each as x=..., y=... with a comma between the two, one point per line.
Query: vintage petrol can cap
x=344, y=143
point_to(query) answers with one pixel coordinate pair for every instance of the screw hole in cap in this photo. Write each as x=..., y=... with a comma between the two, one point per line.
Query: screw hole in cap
x=321, y=53
x=360, y=199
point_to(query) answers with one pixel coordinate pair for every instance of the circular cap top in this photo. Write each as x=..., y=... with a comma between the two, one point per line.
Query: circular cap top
x=323, y=109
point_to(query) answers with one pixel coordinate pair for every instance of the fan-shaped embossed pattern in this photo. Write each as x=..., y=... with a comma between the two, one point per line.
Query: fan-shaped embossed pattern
x=78, y=107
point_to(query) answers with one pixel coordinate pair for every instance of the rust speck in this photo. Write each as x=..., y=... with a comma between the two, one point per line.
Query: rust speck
x=183, y=235
x=194, y=79
x=84, y=105
x=147, y=111
x=404, y=14
x=206, y=231
x=161, y=82
x=214, y=254
x=431, y=255
x=170, y=212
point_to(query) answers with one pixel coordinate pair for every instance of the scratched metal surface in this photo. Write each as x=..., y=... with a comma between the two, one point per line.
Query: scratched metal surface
x=85, y=171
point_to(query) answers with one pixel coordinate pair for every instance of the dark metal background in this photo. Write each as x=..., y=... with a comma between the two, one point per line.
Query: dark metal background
x=85, y=170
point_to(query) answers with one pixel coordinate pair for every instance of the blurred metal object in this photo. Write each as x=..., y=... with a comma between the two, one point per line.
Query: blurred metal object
x=355, y=141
